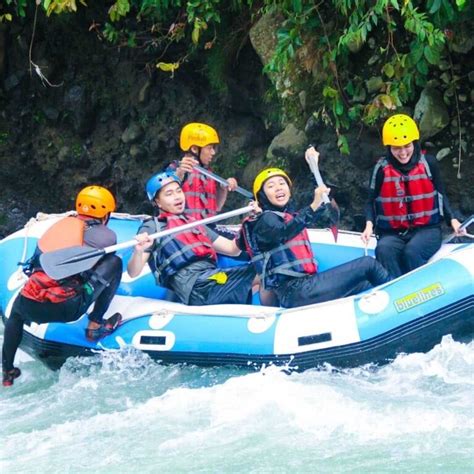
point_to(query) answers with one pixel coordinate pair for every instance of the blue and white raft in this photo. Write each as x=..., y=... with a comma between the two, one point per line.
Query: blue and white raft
x=409, y=314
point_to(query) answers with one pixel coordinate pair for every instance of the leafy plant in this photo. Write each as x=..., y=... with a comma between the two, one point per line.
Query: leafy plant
x=3, y=138
x=327, y=49
x=413, y=37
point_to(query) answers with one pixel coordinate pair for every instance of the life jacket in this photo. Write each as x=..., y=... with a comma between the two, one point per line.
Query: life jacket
x=201, y=196
x=177, y=251
x=293, y=258
x=67, y=232
x=406, y=201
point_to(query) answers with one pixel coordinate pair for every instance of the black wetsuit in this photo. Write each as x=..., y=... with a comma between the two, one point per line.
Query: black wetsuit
x=99, y=286
x=270, y=231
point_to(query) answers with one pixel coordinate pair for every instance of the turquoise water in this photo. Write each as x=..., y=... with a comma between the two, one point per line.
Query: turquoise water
x=123, y=413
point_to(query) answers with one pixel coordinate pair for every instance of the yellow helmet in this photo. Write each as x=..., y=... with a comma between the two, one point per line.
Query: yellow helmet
x=198, y=134
x=95, y=201
x=266, y=174
x=399, y=130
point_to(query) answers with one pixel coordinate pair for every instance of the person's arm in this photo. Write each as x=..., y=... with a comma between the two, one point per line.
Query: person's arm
x=370, y=206
x=143, y=248
x=221, y=196
x=182, y=167
x=271, y=230
x=222, y=244
x=99, y=236
x=449, y=215
x=223, y=191
x=226, y=246
x=140, y=255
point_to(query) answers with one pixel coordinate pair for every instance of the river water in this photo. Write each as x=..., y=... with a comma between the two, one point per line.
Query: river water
x=123, y=413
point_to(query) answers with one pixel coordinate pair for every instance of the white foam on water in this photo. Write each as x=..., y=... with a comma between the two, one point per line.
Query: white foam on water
x=122, y=412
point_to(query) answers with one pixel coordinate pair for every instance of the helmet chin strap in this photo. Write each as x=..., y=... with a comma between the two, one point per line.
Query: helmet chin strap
x=196, y=155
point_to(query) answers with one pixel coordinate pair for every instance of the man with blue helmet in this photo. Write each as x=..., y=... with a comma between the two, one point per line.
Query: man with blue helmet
x=186, y=262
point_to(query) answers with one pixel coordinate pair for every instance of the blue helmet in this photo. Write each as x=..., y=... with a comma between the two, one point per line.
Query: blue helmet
x=157, y=181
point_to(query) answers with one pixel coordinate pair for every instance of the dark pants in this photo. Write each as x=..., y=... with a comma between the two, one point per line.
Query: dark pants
x=401, y=253
x=237, y=288
x=104, y=280
x=344, y=280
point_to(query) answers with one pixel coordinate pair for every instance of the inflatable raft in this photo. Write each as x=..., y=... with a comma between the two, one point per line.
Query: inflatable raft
x=409, y=314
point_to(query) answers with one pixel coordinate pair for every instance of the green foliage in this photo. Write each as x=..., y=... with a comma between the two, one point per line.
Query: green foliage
x=414, y=39
x=38, y=117
x=241, y=159
x=357, y=60
x=217, y=62
x=3, y=138
x=76, y=150
x=119, y=10
x=19, y=6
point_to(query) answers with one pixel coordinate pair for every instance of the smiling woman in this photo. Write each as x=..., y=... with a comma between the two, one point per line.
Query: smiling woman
x=407, y=201
x=278, y=242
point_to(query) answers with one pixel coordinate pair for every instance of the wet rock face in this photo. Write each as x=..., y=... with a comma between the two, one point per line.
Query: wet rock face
x=80, y=107
x=113, y=122
x=263, y=36
x=2, y=49
x=290, y=144
x=431, y=113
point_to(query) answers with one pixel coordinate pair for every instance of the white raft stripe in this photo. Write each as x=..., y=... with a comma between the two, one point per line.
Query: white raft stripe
x=332, y=324
x=464, y=257
x=136, y=306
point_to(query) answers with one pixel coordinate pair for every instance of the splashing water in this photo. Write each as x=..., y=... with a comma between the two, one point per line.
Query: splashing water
x=121, y=412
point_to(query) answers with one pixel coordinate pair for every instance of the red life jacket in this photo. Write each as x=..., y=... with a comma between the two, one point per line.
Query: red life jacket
x=293, y=258
x=201, y=196
x=41, y=288
x=406, y=201
x=177, y=251
x=67, y=232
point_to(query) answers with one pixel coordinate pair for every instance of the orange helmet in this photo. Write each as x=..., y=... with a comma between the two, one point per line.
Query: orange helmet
x=198, y=134
x=95, y=201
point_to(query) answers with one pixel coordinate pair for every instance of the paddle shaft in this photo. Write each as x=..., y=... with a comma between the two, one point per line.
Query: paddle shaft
x=464, y=225
x=163, y=233
x=223, y=181
x=314, y=167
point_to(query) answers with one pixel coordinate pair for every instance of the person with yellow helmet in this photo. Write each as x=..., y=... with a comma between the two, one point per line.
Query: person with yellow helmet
x=204, y=197
x=45, y=300
x=407, y=200
x=186, y=262
x=278, y=243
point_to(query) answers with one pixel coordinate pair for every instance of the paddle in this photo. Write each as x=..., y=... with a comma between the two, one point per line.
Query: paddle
x=73, y=260
x=223, y=181
x=312, y=158
x=464, y=225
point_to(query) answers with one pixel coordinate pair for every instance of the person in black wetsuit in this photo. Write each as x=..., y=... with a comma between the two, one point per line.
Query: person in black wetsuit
x=407, y=201
x=45, y=300
x=278, y=243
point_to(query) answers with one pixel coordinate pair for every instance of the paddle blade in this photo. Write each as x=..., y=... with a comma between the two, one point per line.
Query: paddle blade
x=334, y=231
x=334, y=214
x=70, y=261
